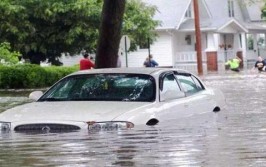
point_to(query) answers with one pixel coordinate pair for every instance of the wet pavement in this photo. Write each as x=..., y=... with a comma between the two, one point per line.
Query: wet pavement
x=233, y=137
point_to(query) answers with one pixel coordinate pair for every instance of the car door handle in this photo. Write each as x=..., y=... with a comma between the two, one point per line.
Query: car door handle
x=185, y=105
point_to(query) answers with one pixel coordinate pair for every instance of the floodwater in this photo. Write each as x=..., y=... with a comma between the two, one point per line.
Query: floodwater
x=233, y=137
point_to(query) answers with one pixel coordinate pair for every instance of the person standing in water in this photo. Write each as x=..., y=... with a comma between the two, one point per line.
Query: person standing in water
x=234, y=64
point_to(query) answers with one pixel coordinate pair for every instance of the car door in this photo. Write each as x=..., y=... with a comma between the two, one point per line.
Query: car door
x=172, y=98
x=198, y=99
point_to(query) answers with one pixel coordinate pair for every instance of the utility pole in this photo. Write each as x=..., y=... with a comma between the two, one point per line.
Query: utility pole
x=198, y=37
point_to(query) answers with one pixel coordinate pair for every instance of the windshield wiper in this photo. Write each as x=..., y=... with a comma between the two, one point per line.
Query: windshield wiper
x=52, y=99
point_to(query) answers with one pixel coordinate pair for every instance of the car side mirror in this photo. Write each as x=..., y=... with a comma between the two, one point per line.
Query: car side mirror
x=171, y=94
x=35, y=95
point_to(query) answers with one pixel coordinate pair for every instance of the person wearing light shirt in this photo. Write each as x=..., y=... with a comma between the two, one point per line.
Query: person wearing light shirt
x=234, y=64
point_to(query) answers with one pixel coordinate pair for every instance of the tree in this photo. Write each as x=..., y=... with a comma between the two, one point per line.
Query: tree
x=7, y=56
x=110, y=33
x=62, y=26
x=14, y=28
x=263, y=11
x=139, y=24
x=44, y=29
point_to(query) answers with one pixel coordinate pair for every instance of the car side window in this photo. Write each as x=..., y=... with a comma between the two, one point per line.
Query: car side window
x=188, y=83
x=170, y=88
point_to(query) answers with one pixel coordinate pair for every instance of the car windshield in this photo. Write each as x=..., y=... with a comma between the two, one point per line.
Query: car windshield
x=103, y=87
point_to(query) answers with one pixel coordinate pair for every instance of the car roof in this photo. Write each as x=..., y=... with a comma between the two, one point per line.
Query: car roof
x=129, y=70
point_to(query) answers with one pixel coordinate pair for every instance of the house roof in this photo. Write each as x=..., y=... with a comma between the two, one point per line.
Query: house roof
x=255, y=27
x=243, y=10
x=236, y=26
x=213, y=25
x=253, y=11
x=189, y=25
x=170, y=12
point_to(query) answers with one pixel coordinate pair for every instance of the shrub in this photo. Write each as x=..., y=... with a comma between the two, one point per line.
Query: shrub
x=31, y=76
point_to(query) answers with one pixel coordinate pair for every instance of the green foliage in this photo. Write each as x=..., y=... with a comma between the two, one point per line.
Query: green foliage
x=139, y=23
x=31, y=76
x=54, y=73
x=263, y=12
x=52, y=27
x=14, y=27
x=6, y=55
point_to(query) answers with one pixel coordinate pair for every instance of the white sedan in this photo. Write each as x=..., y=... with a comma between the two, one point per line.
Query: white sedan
x=114, y=98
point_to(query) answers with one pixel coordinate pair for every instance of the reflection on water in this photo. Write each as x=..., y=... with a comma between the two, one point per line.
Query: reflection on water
x=9, y=99
x=235, y=137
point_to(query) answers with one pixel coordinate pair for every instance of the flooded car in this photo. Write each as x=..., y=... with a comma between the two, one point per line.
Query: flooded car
x=114, y=98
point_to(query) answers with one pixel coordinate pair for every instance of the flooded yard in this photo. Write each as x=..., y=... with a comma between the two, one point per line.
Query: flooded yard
x=234, y=137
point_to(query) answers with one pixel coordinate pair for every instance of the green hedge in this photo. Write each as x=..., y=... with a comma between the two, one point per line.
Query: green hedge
x=31, y=76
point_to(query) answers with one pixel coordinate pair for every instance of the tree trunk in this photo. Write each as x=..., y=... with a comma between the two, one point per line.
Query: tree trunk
x=110, y=33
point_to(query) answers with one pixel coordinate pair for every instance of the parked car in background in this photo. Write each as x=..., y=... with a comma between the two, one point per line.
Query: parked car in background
x=114, y=98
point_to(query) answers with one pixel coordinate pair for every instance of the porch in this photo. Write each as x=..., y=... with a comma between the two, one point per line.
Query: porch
x=188, y=60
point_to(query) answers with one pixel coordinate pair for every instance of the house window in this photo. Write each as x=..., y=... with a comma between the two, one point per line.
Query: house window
x=206, y=39
x=261, y=40
x=240, y=39
x=188, y=39
x=250, y=42
x=188, y=12
x=231, y=12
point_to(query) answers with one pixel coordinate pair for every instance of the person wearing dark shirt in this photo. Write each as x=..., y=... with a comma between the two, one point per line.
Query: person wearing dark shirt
x=260, y=64
x=149, y=62
x=85, y=63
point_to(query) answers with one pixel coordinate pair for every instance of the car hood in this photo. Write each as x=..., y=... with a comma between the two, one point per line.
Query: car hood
x=70, y=111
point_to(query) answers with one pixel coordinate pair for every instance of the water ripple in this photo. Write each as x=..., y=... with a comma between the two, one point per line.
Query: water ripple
x=234, y=137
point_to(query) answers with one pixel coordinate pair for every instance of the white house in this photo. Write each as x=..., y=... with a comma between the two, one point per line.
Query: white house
x=226, y=26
